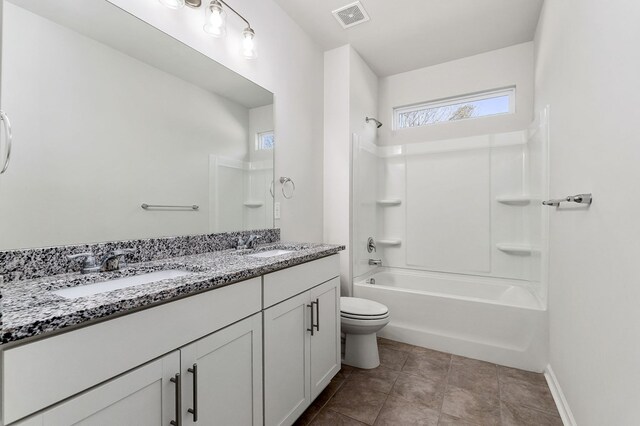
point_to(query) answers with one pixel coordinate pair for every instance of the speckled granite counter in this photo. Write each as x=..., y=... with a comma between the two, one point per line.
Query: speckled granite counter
x=30, y=309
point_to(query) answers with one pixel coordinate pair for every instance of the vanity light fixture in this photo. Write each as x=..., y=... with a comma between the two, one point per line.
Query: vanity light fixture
x=215, y=22
x=249, y=44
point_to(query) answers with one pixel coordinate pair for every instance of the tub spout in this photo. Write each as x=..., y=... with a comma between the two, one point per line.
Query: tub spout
x=375, y=262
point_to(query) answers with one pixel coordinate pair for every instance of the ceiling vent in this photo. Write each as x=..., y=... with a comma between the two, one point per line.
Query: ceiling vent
x=351, y=14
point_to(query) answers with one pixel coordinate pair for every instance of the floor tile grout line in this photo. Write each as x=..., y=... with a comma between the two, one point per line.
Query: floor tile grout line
x=499, y=395
x=446, y=386
x=524, y=404
x=381, y=408
x=322, y=407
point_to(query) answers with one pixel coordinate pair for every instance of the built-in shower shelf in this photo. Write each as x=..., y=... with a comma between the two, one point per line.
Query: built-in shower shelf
x=515, y=200
x=389, y=242
x=389, y=202
x=521, y=249
x=253, y=204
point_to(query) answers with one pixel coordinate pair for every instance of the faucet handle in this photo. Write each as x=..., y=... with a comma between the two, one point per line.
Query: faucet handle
x=78, y=255
x=89, y=263
x=121, y=253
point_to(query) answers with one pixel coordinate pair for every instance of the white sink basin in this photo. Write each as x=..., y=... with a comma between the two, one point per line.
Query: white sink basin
x=119, y=283
x=271, y=253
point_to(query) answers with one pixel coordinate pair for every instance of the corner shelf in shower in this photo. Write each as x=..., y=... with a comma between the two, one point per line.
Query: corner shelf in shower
x=521, y=249
x=253, y=204
x=515, y=200
x=389, y=242
x=389, y=202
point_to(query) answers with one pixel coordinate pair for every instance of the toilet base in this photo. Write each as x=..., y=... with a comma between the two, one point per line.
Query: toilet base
x=361, y=351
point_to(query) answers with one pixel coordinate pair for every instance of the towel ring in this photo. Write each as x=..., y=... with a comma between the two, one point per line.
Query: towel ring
x=284, y=180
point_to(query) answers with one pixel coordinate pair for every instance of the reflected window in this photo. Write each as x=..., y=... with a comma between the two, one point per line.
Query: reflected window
x=265, y=141
x=484, y=104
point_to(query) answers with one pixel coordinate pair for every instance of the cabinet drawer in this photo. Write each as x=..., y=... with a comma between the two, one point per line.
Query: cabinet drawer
x=44, y=372
x=286, y=283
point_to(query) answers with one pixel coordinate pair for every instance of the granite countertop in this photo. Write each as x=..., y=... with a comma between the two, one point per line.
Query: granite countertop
x=29, y=308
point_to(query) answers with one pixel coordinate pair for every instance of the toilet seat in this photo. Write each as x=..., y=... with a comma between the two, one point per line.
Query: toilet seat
x=364, y=317
x=362, y=309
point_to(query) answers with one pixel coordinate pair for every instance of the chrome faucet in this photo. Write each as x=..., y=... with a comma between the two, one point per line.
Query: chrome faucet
x=112, y=262
x=116, y=260
x=253, y=241
x=375, y=262
x=249, y=243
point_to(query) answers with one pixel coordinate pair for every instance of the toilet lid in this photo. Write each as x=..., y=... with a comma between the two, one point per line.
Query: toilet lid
x=362, y=307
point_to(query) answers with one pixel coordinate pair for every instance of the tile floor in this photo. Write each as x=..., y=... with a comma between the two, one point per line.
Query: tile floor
x=418, y=386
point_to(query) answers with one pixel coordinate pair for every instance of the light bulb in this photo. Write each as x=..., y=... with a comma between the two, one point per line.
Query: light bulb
x=249, y=44
x=172, y=4
x=215, y=20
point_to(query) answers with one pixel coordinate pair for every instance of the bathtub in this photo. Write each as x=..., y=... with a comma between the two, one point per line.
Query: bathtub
x=491, y=319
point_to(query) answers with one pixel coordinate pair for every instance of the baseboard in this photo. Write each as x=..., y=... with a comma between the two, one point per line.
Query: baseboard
x=558, y=397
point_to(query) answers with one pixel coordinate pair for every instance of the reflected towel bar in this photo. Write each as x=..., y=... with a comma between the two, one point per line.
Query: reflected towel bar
x=158, y=206
x=580, y=199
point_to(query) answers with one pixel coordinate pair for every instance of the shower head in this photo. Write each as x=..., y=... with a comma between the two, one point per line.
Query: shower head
x=378, y=124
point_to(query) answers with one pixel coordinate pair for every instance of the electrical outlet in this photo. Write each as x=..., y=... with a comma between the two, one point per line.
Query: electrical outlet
x=276, y=210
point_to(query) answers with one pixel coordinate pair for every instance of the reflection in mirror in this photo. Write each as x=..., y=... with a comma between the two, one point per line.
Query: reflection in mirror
x=109, y=113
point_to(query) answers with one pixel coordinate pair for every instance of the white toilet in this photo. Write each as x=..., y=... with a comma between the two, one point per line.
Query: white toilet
x=361, y=319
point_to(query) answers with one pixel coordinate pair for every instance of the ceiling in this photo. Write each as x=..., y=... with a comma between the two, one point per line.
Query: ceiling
x=403, y=35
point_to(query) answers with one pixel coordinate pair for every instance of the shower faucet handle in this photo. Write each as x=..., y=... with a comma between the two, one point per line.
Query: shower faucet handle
x=371, y=245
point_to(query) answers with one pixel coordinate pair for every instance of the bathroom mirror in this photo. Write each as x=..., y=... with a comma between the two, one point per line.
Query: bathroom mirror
x=109, y=114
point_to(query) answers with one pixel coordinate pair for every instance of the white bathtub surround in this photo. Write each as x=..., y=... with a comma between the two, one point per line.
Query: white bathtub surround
x=495, y=320
x=447, y=206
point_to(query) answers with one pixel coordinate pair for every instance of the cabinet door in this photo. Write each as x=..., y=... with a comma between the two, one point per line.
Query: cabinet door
x=325, y=342
x=222, y=376
x=286, y=360
x=144, y=396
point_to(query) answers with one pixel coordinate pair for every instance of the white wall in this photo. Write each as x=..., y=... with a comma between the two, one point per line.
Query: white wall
x=511, y=66
x=337, y=158
x=95, y=143
x=291, y=66
x=350, y=92
x=587, y=68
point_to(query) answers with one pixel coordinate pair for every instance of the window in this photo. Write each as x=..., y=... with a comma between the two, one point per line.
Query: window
x=483, y=104
x=265, y=141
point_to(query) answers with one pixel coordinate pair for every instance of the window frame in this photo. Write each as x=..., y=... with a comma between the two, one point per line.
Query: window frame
x=259, y=138
x=454, y=100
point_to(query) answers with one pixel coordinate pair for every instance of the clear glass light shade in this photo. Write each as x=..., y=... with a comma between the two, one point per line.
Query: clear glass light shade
x=215, y=22
x=172, y=4
x=249, y=44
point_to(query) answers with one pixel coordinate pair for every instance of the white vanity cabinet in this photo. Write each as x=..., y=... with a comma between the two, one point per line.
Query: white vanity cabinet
x=216, y=380
x=38, y=375
x=222, y=376
x=145, y=396
x=301, y=337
